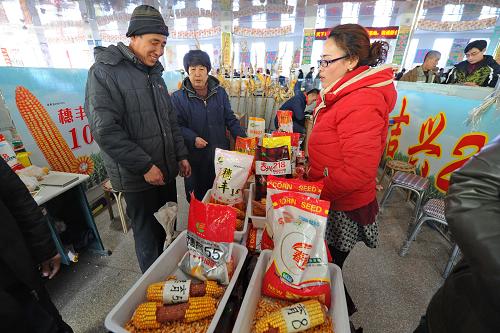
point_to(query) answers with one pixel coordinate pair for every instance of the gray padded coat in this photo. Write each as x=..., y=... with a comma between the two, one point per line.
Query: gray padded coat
x=131, y=118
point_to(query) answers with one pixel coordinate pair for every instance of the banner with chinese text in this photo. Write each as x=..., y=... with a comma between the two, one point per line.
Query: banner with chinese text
x=404, y=33
x=47, y=108
x=307, y=46
x=226, y=49
x=430, y=129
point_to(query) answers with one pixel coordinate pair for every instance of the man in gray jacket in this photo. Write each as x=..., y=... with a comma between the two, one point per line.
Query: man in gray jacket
x=132, y=119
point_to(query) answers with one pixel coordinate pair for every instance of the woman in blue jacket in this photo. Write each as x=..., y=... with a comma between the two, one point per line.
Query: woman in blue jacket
x=204, y=113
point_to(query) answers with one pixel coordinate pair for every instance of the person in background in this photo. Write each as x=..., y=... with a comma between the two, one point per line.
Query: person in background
x=309, y=79
x=297, y=104
x=400, y=74
x=469, y=299
x=25, y=305
x=133, y=122
x=428, y=72
x=310, y=74
x=204, y=113
x=298, y=85
x=301, y=75
x=478, y=69
x=349, y=136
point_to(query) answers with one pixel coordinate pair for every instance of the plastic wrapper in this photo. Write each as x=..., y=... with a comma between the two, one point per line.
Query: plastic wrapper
x=273, y=158
x=8, y=154
x=285, y=121
x=209, y=239
x=256, y=128
x=277, y=185
x=166, y=216
x=31, y=182
x=231, y=173
x=298, y=269
x=254, y=240
x=34, y=171
x=296, y=140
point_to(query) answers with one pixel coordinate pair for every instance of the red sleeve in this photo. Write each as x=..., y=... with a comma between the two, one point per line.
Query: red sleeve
x=360, y=123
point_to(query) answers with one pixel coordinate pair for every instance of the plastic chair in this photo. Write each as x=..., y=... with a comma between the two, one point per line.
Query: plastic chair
x=108, y=188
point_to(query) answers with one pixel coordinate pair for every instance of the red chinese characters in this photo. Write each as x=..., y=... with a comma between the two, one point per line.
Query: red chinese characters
x=403, y=118
x=430, y=130
x=465, y=148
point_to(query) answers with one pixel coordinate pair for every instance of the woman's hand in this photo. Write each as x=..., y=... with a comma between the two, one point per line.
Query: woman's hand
x=200, y=143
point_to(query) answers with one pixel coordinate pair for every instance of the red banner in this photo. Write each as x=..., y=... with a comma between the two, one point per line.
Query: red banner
x=375, y=33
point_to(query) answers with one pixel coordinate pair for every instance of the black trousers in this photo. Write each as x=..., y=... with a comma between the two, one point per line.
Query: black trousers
x=202, y=178
x=338, y=259
x=23, y=311
x=149, y=235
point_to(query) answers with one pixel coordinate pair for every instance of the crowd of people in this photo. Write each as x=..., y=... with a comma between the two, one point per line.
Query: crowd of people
x=148, y=138
x=477, y=70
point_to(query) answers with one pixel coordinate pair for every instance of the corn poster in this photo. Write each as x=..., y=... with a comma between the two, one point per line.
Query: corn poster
x=47, y=110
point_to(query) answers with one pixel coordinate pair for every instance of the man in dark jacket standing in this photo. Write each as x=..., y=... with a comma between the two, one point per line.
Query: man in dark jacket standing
x=478, y=70
x=25, y=242
x=469, y=300
x=132, y=120
x=297, y=104
x=204, y=114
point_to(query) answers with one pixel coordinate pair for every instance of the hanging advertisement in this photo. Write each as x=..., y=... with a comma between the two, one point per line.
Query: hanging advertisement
x=457, y=51
x=271, y=57
x=404, y=34
x=47, y=108
x=226, y=49
x=307, y=46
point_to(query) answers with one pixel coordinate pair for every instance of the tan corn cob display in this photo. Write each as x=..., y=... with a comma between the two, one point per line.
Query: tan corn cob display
x=208, y=288
x=276, y=319
x=150, y=315
x=47, y=135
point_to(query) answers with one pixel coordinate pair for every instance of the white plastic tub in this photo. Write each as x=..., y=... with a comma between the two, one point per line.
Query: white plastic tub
x=257, y=221
x=238, y=235
x=338, y=308
x=164, y=266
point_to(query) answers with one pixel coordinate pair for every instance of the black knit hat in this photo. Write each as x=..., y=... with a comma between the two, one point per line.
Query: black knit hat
x=195, y=58
x=146, y=20
x=478, y=44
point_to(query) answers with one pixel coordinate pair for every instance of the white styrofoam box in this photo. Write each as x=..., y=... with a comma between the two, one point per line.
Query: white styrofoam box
x=238, y=235
x=338, y=308
x=166, y=265
x=257, y=221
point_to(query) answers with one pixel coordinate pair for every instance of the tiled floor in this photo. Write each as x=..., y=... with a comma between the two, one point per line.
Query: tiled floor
x=391, y=292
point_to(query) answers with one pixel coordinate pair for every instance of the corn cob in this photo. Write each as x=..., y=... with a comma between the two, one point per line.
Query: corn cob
x=199, y=308
x=145, y=316
x=47, y=136
x=208, y=288
x=150, y=315
x=312, y=314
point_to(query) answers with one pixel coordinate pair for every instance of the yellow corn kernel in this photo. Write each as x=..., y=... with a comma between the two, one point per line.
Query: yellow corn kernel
x=145, y=316
x=277, y=321
x=200, y=307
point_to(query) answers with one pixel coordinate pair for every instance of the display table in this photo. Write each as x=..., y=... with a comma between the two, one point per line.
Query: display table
x=49, y=194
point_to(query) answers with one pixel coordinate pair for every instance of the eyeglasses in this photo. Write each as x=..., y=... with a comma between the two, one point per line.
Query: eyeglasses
x=325, y=63
x=472, y=54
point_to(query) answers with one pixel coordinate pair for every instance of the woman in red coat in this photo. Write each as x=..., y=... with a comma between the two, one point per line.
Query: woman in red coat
x=349, y=136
